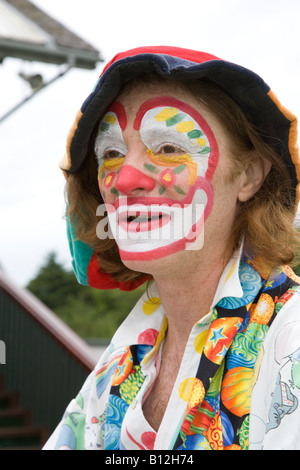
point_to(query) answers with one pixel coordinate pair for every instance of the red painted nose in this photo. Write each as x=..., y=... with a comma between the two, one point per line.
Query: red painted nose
x=129, y=179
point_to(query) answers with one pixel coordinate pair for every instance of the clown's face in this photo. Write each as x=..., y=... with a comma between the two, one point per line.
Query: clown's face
x=157, y=156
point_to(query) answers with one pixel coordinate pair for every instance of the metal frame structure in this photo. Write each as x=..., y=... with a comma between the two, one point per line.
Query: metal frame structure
x=56, y=44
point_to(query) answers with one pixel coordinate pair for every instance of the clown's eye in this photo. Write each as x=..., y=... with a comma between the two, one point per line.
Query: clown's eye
x=169, y=149
x=111, y=154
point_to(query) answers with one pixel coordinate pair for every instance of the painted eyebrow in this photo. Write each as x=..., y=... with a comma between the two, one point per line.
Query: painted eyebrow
x=119, y=111
x=170, y=101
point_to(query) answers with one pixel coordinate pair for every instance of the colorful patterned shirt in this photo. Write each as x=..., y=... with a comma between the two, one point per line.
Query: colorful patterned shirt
x=237, y=386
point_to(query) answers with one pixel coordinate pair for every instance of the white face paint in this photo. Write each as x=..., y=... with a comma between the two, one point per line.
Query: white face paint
x=185, y=135
x=155, y=230
x=109, y=139
x=169, y=217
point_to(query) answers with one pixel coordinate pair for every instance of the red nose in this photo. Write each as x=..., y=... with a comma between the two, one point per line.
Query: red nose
x=129, y=179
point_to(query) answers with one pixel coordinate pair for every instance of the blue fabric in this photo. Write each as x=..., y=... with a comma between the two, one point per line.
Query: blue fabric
x=81, y=255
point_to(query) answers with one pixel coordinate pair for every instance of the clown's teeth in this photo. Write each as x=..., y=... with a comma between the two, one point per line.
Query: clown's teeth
x=140, y=218
x=142, y=222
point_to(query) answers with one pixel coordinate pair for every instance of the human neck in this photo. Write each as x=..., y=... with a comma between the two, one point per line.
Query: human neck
x=188, y=295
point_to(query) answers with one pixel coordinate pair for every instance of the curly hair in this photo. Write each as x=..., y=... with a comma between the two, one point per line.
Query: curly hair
x=265, y=221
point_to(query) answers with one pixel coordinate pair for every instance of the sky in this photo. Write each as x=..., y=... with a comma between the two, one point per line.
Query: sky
x=263, y=35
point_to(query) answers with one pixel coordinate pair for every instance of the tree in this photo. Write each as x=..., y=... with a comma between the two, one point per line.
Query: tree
x=91, y=313
x=54, y=285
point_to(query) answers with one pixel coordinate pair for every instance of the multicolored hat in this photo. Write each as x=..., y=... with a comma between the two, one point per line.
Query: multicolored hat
x=247, y=89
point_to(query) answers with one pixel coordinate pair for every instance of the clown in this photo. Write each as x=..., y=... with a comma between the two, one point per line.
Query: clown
x=175, y=177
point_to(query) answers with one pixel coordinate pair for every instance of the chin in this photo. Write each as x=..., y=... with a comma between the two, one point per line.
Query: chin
x=142, y=266
x=168, y=262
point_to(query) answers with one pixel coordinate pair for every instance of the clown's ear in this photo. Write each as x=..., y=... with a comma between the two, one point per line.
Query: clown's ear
x=252, y=178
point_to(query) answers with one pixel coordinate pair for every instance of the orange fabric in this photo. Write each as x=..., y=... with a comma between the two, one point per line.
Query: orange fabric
x=293, y=137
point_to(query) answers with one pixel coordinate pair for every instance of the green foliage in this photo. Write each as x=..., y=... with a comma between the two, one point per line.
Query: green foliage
x=91, y=313
x=53, y=284
x=297, y=270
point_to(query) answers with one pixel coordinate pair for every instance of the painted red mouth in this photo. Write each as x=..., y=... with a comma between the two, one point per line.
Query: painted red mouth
x=138, y=221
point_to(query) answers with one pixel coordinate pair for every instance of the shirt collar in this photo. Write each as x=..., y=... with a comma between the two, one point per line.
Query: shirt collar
x=229, y=283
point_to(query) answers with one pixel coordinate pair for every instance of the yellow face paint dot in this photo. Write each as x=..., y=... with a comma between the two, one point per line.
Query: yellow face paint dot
x=110, y=118
x=167, y=177
x=108, y=180
x=200, y=341
x=186, y=126
x=165, y=114
x=151, y=305
x=201, y=141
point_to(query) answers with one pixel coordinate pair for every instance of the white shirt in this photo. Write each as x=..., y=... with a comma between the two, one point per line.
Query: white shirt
x=86, y=415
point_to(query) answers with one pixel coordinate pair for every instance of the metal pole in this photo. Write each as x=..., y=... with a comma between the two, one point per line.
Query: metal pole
x=28, y=98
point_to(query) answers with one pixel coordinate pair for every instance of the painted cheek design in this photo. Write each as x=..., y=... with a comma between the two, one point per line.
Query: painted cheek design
x=106, y=180
x=109, y=179
x=168, y=177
